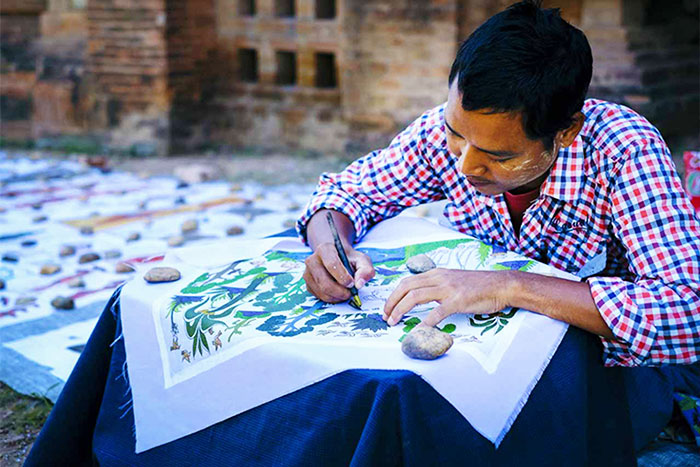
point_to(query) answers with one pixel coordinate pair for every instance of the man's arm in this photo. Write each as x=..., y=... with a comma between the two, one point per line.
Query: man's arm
x=479, y=292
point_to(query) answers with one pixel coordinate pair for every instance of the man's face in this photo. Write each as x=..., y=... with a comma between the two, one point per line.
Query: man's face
x=494, y=152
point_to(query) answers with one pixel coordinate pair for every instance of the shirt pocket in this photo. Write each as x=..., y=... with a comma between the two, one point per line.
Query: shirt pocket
x=571, y=245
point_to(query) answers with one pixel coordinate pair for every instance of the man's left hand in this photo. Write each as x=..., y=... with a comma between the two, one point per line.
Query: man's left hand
x=456, y=291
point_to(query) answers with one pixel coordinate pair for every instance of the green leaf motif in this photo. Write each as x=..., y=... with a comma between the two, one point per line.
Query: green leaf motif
x=449, y=328
x=687, y=403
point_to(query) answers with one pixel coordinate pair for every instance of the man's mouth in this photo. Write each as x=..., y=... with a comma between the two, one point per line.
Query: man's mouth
x=478, y=182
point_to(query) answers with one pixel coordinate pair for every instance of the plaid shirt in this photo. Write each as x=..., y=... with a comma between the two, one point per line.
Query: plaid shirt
x=613, y=192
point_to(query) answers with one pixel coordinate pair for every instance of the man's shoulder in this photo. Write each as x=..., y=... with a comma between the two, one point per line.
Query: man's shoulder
x=429, y=127
x=613, y=132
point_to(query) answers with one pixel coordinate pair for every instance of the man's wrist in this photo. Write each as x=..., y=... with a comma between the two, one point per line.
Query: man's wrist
x=510, y=287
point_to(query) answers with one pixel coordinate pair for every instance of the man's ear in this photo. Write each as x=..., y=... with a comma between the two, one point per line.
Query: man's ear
x=567, y=136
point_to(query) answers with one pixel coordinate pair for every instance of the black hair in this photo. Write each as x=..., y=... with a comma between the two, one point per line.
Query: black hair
x=526, y=59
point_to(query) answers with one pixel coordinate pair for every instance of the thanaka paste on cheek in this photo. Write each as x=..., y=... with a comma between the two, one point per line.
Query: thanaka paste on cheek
x=531, y=168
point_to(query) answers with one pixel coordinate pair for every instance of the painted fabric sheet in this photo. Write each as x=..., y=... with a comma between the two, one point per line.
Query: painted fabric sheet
x=249, y=328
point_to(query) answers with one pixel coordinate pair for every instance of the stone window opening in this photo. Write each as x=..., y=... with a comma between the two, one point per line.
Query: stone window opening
x=326, y=76
x=246, y=7
x=248, y=65
x=285, y=8
x=286, y=68
x=325, y=9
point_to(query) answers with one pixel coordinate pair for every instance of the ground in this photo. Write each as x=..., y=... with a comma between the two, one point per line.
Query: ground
x=21, y=419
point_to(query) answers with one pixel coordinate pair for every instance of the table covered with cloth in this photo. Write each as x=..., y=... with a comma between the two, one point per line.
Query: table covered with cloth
x=579, y=413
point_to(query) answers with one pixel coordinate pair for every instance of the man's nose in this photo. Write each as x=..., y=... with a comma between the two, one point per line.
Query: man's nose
x=470, y=162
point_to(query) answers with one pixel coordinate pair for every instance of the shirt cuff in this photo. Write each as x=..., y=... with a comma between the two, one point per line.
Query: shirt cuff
x=342, y=203
x=634, y=334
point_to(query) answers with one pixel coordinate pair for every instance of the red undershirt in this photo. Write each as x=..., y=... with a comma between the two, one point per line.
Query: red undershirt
x=518, y=204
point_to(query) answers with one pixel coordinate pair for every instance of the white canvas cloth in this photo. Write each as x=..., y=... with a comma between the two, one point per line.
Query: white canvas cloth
x=208, y=332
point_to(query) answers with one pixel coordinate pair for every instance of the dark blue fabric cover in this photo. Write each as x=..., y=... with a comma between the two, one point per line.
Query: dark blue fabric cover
x=578, y=414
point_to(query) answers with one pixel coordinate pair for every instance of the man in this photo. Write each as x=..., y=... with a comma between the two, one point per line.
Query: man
x=527, y=164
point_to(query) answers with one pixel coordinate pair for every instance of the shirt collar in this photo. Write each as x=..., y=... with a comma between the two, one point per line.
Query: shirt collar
x=568, y=174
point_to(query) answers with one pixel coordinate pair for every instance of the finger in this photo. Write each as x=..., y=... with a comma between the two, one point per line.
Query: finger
x=364, y=270
x=410, y=300
x=322, y=284
x=332, y=263
x=407, y=284
x=435, y=315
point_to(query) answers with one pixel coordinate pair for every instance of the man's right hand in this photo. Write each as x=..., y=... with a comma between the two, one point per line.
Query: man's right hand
x=327, y=278
x=325, y=275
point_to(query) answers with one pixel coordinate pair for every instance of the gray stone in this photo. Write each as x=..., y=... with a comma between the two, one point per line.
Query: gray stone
x=48, y=269
x=234, y=230
x=76, y=282
x=133, y=236
x=88, y=258
x=10, y=257
x=123, y=267
x=176, y=240
x=190, y=225
x=111, y=254
x=38, y=219
x=66, y=250
x=426, y=343
x=21, y=301
x=420, y=263
x=197, y=172
x=87, y=230
x=162, y=274
x=63, y=303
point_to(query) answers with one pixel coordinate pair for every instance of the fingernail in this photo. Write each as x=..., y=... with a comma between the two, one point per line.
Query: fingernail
x=350, y=284
x=360, y=283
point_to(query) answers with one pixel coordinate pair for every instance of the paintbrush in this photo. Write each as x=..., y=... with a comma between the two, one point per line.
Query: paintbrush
x=355, y=299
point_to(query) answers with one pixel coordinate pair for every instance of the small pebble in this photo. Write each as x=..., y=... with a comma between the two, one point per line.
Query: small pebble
x=87, y=230
x=21, y=301
x=27, y=243
x=2, y=284
x=76, y=282
x=189, y=225
x=36, y=206
x=422, y=211
x=88, y=258
x=426, y=343
x=182, y=184
x=10, y=257
x=63, y=303
x=111, y=254
x=162, y=274
x=180, y=200
x=176, y=240
x=289, y=223
x=48, y=269
x=133, y=236
x=66, y=250
x=420, y=263
x=143, y=204
x=234, y=230
x=38, y=219
x=235, y=188
x=123, y=267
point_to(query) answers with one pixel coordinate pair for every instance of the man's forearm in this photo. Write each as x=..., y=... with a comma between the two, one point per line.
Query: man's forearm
x=318, y=231
x=560, y=299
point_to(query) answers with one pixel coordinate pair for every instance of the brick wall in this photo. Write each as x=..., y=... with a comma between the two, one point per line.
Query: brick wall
x=127, y=74
x=19, y=29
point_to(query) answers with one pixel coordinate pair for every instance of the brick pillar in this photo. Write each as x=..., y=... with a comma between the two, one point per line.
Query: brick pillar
x=19, y=28
x=127, y=71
